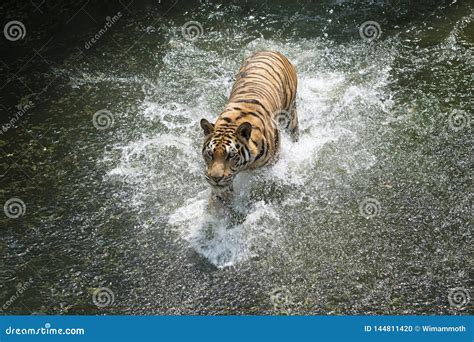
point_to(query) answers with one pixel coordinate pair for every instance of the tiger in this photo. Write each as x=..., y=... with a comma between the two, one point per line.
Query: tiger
x=246, y=134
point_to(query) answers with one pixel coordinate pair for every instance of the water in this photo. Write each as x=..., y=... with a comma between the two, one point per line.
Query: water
x=368, y=213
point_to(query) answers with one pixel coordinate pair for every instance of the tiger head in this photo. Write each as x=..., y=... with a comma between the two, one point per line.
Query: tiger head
x=225, y=152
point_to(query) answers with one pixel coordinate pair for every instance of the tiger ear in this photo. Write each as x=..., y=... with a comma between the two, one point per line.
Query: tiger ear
x=207, y=126
x=244, y=131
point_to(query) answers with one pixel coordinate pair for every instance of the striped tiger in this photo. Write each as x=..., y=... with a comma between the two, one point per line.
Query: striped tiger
x=246, y=134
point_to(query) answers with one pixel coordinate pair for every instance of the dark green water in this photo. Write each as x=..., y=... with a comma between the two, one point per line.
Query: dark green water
x=369, y=213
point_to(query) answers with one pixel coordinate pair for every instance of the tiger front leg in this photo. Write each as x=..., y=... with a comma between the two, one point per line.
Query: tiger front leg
x=220, y=199
x=224, y=195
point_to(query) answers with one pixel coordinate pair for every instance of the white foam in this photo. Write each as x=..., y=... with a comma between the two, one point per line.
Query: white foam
x=171, y=114
x=141, y=149
x=213, y=234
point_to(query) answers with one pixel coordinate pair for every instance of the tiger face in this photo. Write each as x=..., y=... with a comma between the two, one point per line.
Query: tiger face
x=225, y=152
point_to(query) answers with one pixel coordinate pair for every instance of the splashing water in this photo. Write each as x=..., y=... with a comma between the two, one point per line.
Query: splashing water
x=367, y=213
x=330, y=108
